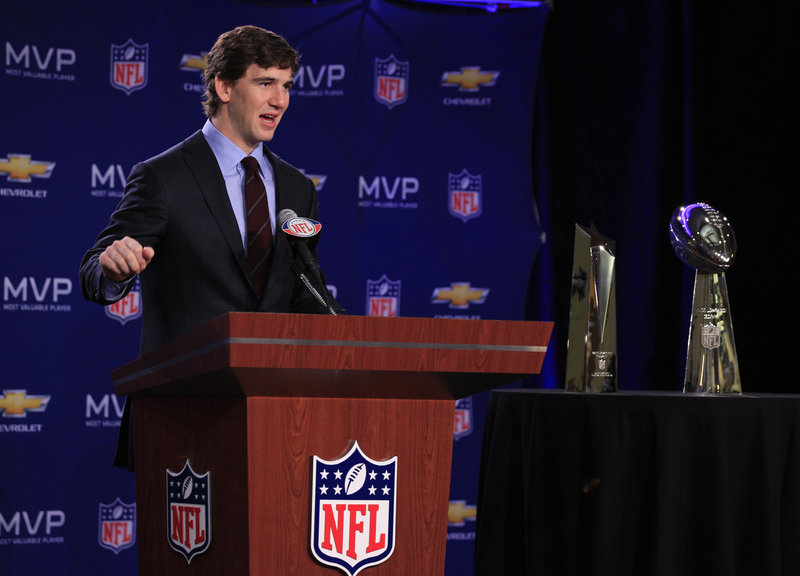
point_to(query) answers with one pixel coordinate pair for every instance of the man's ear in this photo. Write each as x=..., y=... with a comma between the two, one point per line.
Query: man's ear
x=223, y=89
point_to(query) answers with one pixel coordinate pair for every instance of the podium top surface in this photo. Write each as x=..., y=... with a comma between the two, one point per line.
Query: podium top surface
x=267, y=354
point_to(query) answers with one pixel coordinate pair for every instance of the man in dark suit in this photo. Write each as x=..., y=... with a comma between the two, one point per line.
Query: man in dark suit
x=182, y=224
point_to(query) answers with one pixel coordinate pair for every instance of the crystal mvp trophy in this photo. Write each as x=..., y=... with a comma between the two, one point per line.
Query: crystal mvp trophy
x=592, y=343
x=704, y=240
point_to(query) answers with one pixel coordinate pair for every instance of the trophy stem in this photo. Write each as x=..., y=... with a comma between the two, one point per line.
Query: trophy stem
x=711, y=363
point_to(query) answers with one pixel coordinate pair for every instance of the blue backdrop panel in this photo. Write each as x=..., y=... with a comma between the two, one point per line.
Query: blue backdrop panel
x=414, y=124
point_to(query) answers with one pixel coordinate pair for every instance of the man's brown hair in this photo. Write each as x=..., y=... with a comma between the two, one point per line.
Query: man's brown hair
x=234, y=52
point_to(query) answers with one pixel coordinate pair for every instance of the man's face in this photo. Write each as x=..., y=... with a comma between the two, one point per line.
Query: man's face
x=255, y=104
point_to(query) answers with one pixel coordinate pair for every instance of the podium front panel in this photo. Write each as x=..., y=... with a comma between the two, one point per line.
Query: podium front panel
x=259, y=452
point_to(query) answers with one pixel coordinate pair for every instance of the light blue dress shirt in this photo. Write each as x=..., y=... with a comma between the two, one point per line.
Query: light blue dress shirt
x=229, y=157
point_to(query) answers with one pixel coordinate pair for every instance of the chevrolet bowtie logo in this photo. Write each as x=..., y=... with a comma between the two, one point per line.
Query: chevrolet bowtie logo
x=458, y=511
x=20, y=168
x=17, y=403
x=191, y=62
x=317, y=179
x=470, y=78
x=459, y=295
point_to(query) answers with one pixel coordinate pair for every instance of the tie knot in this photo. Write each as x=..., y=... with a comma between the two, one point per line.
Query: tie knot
x=250, y=164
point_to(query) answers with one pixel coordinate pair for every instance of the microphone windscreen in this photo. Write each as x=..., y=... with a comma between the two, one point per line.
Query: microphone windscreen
x=285, y=215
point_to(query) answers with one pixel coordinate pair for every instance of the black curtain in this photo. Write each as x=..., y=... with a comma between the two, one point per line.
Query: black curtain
x=642, y=107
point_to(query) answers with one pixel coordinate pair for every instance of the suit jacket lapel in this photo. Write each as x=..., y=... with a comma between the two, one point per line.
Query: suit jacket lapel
x=280, y=240
x=203, y=165
x=273, y=160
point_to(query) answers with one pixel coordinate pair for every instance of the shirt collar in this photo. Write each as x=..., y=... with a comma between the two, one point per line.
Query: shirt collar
x=228, y=154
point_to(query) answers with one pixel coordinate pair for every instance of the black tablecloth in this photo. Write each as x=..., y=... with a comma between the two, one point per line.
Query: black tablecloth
x=643, y=484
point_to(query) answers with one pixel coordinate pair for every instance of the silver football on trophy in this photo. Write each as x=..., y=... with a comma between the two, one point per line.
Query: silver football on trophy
x=702, y=238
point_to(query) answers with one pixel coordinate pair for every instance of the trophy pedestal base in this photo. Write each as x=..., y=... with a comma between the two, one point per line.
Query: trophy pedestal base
x=711, y=363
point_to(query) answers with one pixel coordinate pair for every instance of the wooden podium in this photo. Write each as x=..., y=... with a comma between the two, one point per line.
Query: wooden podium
x=252, y=398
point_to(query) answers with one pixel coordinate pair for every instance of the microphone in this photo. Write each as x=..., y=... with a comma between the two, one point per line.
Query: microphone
x=298, y=230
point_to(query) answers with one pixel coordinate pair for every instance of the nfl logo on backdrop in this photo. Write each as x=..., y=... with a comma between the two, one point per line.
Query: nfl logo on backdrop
x=465, y=195
x=188, y=511
x=353, y=510
x=127, y=308
x=383, y=297
x=391, y=81
x=117, y=526
x=462, y=425
x=129, y=66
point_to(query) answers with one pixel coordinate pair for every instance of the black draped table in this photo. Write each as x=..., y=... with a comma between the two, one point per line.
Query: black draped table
x=643, y=484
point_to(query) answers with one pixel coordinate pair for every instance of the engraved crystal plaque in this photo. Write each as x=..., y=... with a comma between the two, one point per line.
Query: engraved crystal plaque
x=704, y=240
x=592, y=341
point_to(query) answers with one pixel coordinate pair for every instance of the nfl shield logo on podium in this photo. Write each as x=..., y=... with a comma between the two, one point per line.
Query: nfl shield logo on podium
x=353, y=510
x=188, y=511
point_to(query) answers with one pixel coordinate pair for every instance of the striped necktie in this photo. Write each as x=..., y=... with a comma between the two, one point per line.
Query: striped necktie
x=259, y=231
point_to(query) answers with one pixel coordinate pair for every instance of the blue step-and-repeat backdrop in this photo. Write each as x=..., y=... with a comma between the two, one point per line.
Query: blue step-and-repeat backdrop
x=415, y=125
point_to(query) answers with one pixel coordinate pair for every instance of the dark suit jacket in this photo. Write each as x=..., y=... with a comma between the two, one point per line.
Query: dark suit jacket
x=177, y=203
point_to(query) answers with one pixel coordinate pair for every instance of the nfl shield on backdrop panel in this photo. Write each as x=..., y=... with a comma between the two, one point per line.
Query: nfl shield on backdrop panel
x=116, y=528
x=353, y=510
x=128, y=70
x=465, y=195
x=391, y=81
x=383, y=297
x=127, y=308
x=462, y=423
